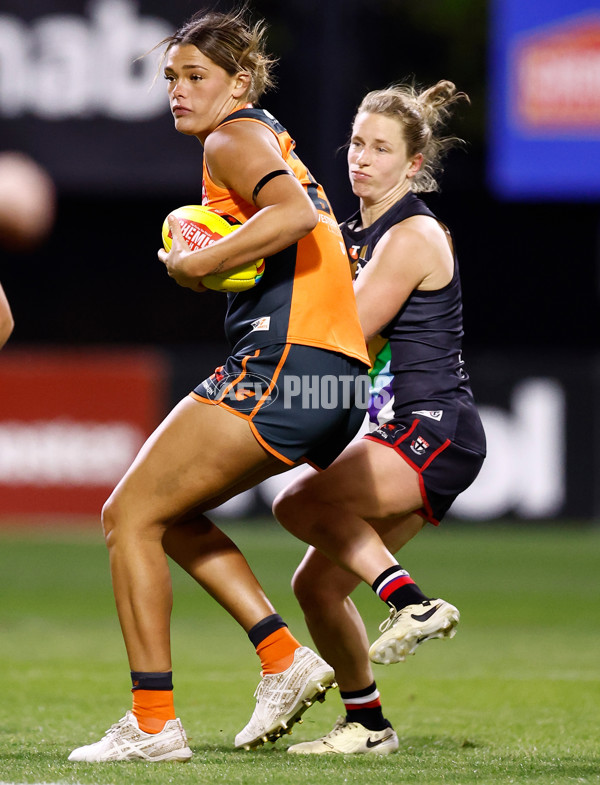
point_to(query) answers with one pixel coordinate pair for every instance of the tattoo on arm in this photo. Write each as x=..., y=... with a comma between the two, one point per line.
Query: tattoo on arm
x=218, y=268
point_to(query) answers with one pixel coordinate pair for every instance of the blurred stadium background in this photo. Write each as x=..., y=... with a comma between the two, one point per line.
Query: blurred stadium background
x=105, y=343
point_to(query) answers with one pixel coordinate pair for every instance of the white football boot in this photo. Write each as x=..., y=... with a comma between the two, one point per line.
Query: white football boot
x=125, y=741
x=350, y=738
x=408, y=628
x=281, y=698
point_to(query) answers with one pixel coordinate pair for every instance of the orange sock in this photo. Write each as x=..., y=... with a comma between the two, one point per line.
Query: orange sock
x=276, y=651
x=152, y=708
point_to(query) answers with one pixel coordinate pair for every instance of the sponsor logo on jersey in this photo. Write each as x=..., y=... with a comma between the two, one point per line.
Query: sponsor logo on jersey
x=435, y=415
x=264, y=323
x=389, y=431
x=419, y=445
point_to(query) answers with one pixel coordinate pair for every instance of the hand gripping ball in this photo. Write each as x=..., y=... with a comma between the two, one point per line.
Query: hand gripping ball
x=202, y=227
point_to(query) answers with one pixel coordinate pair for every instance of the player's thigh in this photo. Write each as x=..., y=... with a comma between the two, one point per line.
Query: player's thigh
x=250, y=480
x=395, y=532
x=197, y=454
x=368, y=479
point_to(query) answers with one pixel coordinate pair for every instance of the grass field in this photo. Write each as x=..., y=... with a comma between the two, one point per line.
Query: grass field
x=513, y=698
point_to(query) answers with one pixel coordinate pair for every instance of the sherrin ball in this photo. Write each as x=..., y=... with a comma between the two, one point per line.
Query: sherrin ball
x=201, y=227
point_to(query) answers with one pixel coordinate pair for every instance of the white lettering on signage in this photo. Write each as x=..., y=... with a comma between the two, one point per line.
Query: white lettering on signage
x=63, y=66
x=558, y=73
x=64, y=452
x=554, y=84
x=524, y=472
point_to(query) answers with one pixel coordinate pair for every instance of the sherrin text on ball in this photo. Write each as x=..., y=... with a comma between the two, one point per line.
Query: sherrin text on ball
x=202, y=227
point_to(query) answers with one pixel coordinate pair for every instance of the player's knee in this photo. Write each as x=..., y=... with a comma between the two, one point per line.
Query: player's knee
x=109, y=519
x=289, y=509
x=301, y=588
x=281, y=507
x=120, y=519
x=308, y=591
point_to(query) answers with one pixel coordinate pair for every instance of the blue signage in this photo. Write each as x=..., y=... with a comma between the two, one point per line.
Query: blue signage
x=544, y=99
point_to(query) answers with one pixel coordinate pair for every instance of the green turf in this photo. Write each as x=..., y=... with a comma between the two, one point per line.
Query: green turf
x=513, y=698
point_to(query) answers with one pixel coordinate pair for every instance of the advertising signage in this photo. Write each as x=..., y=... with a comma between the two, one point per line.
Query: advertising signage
x=544, y=100
x=81, y=92
x=71, y=423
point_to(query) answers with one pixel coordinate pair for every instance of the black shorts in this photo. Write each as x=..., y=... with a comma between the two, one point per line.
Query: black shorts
x=445, y=467
x=299, y=400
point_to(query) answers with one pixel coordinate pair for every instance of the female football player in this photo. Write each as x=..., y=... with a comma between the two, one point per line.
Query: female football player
x=228, y=435
x=426, y=442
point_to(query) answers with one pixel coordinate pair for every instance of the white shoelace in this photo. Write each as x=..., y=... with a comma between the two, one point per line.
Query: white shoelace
x=391, y=620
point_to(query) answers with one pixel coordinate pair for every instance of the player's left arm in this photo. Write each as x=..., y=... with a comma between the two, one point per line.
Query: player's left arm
x=239, y=156
x=6, y=318
x=411, y=255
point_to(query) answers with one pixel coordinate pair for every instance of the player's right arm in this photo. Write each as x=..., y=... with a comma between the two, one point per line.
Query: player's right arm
x=413, y=254
x=238, y=157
